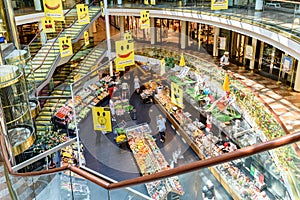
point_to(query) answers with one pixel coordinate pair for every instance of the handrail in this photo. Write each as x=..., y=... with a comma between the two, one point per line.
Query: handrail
x=61, y=31
x=64, y=15
x=240, y=153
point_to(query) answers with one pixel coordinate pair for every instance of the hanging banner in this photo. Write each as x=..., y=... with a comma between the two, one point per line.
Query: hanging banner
x=124, y=54
x=54, y=9
x=86, y=38
x=144, y=19
x=48, y=25
x=222, y=43
x=226, y=83
x=249, y=52
x=162, y=66
x=83, y=14
x=128, y=36
x=65, y=47
x=101, y=119
x=287, y=64
x=152, y=2
x=182, y=61
x=146, y=2
x=102, y=8
x=176, y=95
x=219, y=4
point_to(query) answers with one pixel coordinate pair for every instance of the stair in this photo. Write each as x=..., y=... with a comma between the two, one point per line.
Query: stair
x=51, y=54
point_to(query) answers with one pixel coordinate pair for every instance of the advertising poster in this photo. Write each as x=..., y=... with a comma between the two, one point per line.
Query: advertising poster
x=48, y=25
x=101, y=119
x=222, y=43
x=226, y=83
x=152, y=2
x=146, y=2
x=83, y=14
x=86, y=38
x=176, y=95
x=287, y=64
x=102, y=8
x=65, y=46
x=128, y=36
x=219, y=4
x=144, y=19
x=249, y=52
x=54, y=9
x=124, y=54
x=162, y=66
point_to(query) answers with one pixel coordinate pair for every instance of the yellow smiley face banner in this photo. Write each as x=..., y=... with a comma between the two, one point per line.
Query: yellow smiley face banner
x=48, y=25
x=65, y=46
x=219, y=4
x=86, y=38
x=54, y=9
x=146, y=2
x=152, y=2
x=128, y=36
x=176, y=95
x=124, y=54
x=102, y=8
x=101, y=119
x=145, y=19
x=83, y=14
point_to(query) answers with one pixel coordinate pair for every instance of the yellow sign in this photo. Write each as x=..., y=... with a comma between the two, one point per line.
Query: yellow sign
x=145, y=19
x=77, y=77
x=128, y=36
x=152, y=2
x=146, y=2
x=65, y=47
x=54, y=9
x=176, y=95
x=162, y=66
x=102, y=8
x=101, y=119
x=83, y=14
x=86, y=38
x=219, y=4
x=182, y=61
x=124, y=54
x=48, y=25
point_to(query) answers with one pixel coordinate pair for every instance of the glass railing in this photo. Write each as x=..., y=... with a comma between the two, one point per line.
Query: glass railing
x=280, y=16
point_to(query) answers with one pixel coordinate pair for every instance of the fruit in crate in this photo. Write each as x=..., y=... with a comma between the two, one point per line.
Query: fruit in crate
x=120, y=138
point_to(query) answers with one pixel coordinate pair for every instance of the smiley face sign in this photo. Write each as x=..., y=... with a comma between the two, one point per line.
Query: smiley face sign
x=124, y=54
x=102, y=8
x=176, y=95
x=83, y=14
x=86, y=38
x=48, y=25
x=101, y=119
x=128, y=36
x=65, y=46
x=54, y=9
x=145, y=20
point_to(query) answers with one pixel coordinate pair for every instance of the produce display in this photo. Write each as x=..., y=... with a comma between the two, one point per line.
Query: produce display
x=150, y=160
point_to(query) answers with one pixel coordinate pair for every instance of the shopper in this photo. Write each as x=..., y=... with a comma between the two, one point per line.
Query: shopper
x=208, y=191
x=224, y=61
x=136, y=84
x=112, y=110
x=161, y=124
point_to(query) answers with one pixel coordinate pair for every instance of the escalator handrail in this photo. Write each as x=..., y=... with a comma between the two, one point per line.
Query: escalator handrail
x=61, y=31
x=64, y=15
x=240, y=153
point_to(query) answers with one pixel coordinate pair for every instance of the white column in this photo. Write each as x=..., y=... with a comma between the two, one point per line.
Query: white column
x=261, y=54
x=43, y=34
x=152, y=30
x=37, y=5
x=183, y=35
x=252, y=62
x=216, y=35
x=107, y=30
x=297, y=78
x=259, y=5
x=122, y=25
x=199, y=37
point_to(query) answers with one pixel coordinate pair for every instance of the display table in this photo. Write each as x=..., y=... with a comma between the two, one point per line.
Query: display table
x=150, y=160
